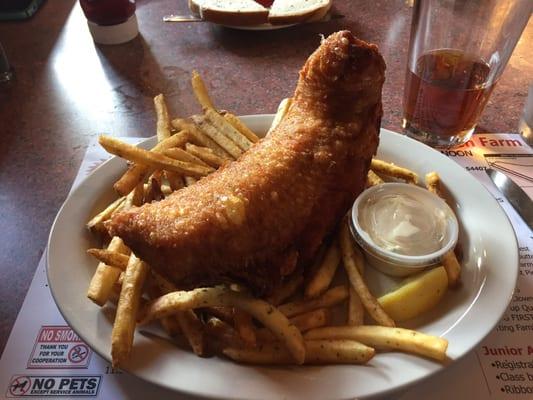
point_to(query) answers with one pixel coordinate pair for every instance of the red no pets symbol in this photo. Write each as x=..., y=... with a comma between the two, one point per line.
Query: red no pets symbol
x=78, y=353
x=19, y=385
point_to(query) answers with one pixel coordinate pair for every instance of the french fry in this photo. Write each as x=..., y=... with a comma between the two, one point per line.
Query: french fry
x=134, y=175
x=283, y=108
x=206, y=154
x=224, y=127
x=221, y=296
x=182, y=155
x=286, y=290
x=304, y=322
x=163, y=122
x=189, y=180
x=324, y=273
x=373, y=179
x=386, y=338
x=137, y=173
x=171, y=326
x=105, y=276
x=128, y=305
x=449, y=260
x=96, y=224
x=151, y=159
x=392, y=170
x=137, y=195
x=200, y=91
x=227, y=144
x=312, y=319
x=110, y=257
x=222, y=334
x=356, y=311
x=316, y=352
x=453, y=268
x=241, y=127
x=330, y=298
x=221, y=312
x=200, y=138
x=245, y=327
x=153, y=191
x=175, y=180
x=354, y=275
x=433, y=183
x=193, y=330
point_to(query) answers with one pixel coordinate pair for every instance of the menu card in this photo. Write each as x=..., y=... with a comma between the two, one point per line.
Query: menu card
x=44, y=358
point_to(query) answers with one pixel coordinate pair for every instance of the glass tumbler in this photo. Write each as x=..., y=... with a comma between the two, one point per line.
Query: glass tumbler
x=457, y=52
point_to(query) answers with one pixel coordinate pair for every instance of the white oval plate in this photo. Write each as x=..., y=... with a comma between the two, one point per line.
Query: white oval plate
x=465, y=316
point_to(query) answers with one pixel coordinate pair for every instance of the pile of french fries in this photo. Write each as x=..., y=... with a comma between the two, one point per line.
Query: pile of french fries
x=294, y=324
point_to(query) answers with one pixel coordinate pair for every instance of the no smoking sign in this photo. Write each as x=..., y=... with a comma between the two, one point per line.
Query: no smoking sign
x=59, y=347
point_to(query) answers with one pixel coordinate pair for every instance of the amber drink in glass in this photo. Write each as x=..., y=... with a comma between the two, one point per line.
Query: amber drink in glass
x=458, y=51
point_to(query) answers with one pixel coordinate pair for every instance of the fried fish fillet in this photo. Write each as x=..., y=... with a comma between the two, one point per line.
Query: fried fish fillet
x=255, y=219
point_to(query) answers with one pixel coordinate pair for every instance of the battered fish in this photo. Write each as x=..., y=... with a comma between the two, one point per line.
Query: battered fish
x=255, y=219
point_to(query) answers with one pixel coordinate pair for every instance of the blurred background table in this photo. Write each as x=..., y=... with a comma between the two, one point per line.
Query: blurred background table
x=67, y=91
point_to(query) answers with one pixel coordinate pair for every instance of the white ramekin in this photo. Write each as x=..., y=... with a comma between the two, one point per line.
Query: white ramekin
x=392, y=263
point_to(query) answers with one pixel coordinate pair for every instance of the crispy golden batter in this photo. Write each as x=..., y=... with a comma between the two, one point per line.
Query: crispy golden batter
x=254, y=219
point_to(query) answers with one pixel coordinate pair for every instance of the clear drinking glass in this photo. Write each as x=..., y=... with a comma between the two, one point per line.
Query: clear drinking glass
x=458, y=51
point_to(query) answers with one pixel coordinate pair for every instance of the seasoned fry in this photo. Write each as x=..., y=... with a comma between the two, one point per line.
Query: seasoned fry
x=193, y=330
x=386, y=338
x=325, y=272
x=227, y=144
x=105, y=276
x=174, y=180
x=283, y=108
x=453, y=268
x=304, y=322
x=312, y=319
x=241, y=127
x=389, y=169
x=151, y=159
x=96, y=224
x=189, y=180
x=128, y=304
x=373, y=179
x=316, y=352
x=221, y=296
x=224, y=127
x=221, y=312
x=200, y=91
x=200, y=138
x=163, y=122
x=182, y=155
x=153, y=191
x=286, y=290
x=110, y=257
x=330, y=298
x=433, y=183
x=136, y=173
x=206, y=154
x=245, y=327
x=222, y=334
x=137, y=195
x=354, y=275
x=449, y=261
x=356, y=311
x=171, y=326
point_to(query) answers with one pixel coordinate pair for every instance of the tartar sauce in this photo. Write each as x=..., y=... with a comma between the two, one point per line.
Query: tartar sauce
x=403, y=223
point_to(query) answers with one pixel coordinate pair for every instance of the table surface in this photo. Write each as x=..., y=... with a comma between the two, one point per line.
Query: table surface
x=67, y=91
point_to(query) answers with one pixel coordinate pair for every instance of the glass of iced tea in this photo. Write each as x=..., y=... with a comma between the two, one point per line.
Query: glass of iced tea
x=458, y=51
